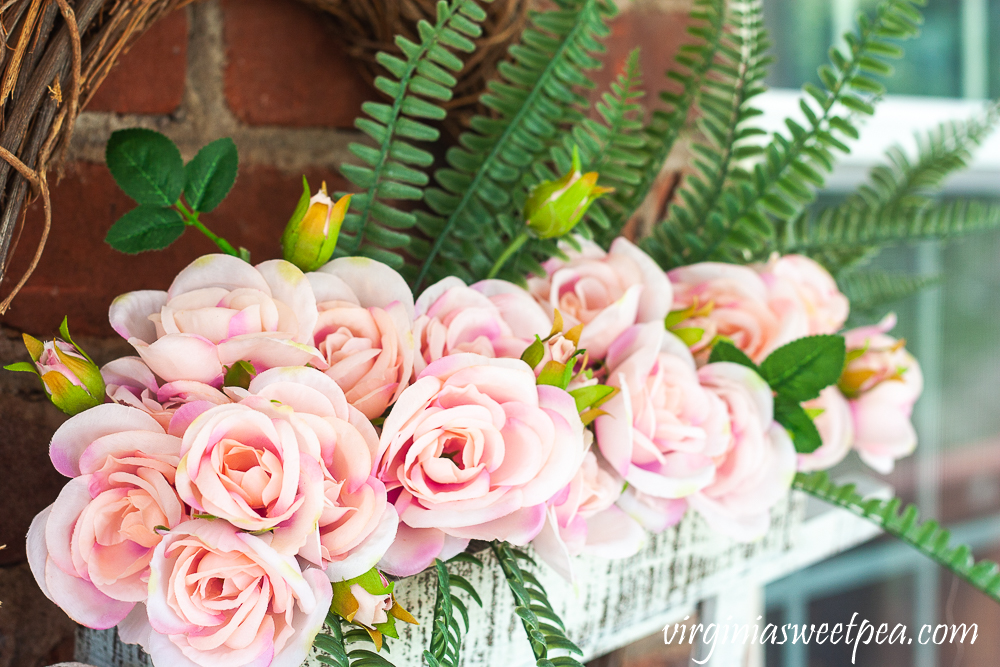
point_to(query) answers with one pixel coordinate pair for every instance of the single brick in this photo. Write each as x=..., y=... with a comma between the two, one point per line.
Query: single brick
x=286, y=66
x=80, y=275
x=149, y=79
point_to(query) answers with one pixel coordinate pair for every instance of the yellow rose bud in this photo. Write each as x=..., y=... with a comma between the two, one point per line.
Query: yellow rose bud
x=555, y=207
x=311, y=234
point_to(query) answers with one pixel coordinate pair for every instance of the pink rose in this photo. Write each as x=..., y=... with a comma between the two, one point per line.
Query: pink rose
x=90, y=550
x=130, y=382
x=757, y=469
x=652, y=513
x=356, y=524
x=882, y=386
x=372, y=609
x=250, y=464
x=364, y=330
x=583, y=518
x=836, y=429
x=800, y=279
x=605, y=291
x=492, y=318
x=220, y=310
x=663, y=430
x=740, y=308
x=219, y=597
x=473, y=450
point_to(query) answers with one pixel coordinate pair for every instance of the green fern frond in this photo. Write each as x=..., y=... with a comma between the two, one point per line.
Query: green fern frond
x=793, y=165
x=897, y=201
x=392, y=170
x=860, y=229
x=333, y=646
x=446, y=633
x=530, y=99
x=545, y=630
x=665, y=125
x=928, y=537
x=940, y=152
x=734, y=79
x=614, y=148
x=868, y=290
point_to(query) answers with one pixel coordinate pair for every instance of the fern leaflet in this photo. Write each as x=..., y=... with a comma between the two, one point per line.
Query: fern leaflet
x=544, y=628
x=928, y=537
x=734, y=79
x=446, y=633
x=530, y=100
x=332, y=646
x=420, y=82
x=792, y=166
x=665, y=125
x=868, y=290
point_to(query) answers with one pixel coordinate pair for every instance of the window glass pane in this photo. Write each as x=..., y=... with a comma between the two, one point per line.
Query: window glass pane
x=802, y=31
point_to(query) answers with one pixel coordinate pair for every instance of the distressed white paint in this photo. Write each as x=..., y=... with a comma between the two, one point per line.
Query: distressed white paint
x=612, y=603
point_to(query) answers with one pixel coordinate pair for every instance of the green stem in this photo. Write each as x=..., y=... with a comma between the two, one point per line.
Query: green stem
x=191, y=220
x=507, y=254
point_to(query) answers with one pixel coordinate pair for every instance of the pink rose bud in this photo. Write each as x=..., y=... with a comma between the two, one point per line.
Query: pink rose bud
x=72, y=381
x=368, y=601
x=882, y=381
x=312, y=232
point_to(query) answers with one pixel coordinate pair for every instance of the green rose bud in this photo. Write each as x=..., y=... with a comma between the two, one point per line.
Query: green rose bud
x=71, y=379
x=311, y=234
x=554, y=207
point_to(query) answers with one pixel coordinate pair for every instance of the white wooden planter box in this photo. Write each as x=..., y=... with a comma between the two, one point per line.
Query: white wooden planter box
x=612, y=603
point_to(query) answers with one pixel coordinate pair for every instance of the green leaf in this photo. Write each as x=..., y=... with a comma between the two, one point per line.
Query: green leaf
x=145, y=228
x=239, y=375
x=591, y=396
x=534, y=353
x=797, y=422
x=724, y=350
x=146, y=165
x=210, y=176
x=801, y=369
x=22, y=367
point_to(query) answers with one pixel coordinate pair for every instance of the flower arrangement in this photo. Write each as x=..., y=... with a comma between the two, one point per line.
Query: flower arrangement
x=496, y=366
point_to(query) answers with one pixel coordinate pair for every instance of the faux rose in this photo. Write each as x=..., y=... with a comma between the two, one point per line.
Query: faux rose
x=757, y=468
x=652, y=513
x=364, y=330
x=492, y=318
x=882, y=382
x=130, y=382
x=356, y=524
x=663, y=430
x=90, y=550
x=255, y=465
x=219, y=597
x=69, y=377
x=220, y=310
x=607, y=292
x=368, y=601
x=799, y=278
x=583, y=518
x=474, y=449
x=836, y=430
x=733, y=301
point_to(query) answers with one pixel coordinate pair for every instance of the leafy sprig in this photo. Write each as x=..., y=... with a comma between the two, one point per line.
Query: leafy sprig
x=446, y=632
x=927, y=537
x=796, y=372
x=543, y=626
x=148, y=167
x=393, y=168
x=334, y=646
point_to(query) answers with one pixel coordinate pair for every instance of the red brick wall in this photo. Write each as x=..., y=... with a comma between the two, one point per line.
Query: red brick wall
x=271, y=74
